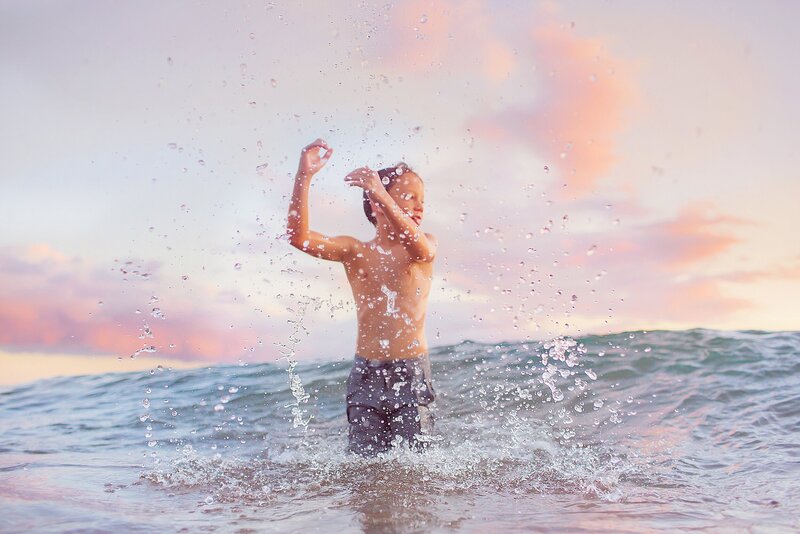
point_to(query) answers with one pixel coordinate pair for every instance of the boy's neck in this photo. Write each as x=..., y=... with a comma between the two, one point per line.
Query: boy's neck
x=385, y=235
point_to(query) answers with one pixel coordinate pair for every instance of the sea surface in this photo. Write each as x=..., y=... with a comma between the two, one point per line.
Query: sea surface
x=660, y=431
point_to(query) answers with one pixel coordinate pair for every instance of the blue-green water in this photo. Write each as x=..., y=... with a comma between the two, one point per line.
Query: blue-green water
x=634, y=432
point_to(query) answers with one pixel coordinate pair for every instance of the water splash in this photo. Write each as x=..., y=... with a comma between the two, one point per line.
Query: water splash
x=300, y=417
x=390, y=300
x=696, y=449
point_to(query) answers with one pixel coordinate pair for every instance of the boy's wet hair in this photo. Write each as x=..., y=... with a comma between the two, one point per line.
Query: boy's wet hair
x=389, y=176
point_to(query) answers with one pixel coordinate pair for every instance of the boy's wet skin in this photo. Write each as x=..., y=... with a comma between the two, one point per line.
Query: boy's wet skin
x=391, y=295
x=389, y=390
x=390, y=275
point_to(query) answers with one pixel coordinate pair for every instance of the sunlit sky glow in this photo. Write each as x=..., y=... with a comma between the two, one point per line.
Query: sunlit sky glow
x=150, y=148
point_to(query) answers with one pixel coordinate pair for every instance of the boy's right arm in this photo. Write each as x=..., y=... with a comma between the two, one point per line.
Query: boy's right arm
x=336, y=248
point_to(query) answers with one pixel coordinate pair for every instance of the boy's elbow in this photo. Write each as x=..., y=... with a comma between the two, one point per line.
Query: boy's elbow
x=426, y=256
x=298, y=240
x=300, y=244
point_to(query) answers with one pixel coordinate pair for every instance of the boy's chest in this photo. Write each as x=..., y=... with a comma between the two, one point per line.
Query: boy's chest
x=392, y=267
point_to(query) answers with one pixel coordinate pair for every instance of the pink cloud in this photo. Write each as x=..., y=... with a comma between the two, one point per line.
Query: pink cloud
x=580, y=101
x=776, y=272
x=700, y=299
x=454, y=34
x=57, y=304
x=695, y=235
x=579, y=107
x=632, y=274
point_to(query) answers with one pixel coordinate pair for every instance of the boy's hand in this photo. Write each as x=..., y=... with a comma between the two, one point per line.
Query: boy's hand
x=367, y=179
x=310, y=160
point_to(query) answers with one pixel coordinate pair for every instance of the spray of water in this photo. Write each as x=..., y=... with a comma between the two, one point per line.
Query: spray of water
x=300, y=416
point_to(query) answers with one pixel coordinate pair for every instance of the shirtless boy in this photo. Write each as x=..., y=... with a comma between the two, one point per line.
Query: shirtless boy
x=389, y=389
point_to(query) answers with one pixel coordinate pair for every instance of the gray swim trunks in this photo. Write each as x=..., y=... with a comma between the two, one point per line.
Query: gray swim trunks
x=388, y=403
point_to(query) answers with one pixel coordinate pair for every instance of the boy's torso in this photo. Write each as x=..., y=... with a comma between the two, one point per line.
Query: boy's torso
x=391, y=296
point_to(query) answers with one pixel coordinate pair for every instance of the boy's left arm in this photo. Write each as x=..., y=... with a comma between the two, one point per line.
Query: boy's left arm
x=421, y=246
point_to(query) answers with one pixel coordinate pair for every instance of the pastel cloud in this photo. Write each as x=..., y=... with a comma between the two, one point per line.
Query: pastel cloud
x=639, y=274
x=57, y=304
x=580, y=105
x=696, y=234
x=698, y=300
x=777, y=272
x=693, y=236
x=456, y=34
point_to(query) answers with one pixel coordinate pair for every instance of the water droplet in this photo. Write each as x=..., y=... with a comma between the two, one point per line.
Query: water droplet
x=385, y=180
x=201, y=162
x=146, y=403
x=384, y=343
x=184, y=277
x=237, y=266
x=591, y=250
x=546, y=168
x=169, y=61
x=152, y=443
x=591, y=374
x=390, y=300
x=146, y=332
x=218, y=407
x=273, y=82
x=423, y=19
x=261, y=168
x=173, y=146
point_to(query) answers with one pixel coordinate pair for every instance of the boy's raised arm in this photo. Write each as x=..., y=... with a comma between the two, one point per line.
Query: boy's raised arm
x=300, y=236
x=421, y=246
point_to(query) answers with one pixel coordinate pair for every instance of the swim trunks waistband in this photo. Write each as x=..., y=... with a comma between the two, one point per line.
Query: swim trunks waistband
x=388, y=363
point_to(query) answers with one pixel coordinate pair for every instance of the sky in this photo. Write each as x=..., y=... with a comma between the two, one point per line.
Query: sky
x=590, y=167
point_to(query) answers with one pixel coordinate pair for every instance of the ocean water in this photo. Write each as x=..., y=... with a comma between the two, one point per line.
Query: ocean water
x=695, y=430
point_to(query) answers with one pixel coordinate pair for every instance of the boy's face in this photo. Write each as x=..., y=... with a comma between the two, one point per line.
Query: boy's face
x=409, y=193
